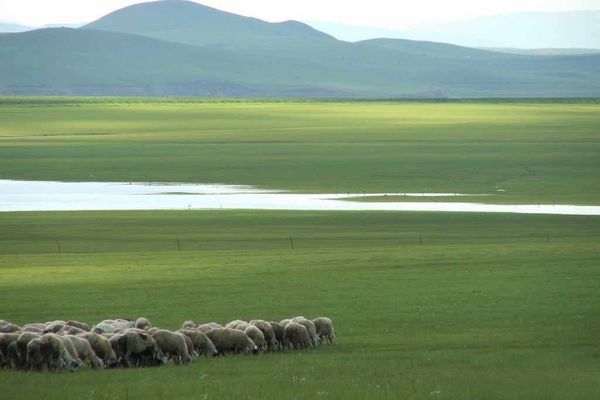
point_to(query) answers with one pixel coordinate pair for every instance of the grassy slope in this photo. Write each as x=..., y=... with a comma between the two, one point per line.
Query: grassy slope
x=537, y=152
x=484, y=309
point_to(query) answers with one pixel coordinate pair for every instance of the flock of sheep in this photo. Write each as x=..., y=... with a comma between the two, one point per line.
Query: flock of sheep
x=67, y=346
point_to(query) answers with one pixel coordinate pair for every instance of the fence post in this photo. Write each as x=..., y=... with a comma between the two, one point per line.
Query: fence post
x=58, y=246
x=178, y=245
x=291, y=243
x=421, y=239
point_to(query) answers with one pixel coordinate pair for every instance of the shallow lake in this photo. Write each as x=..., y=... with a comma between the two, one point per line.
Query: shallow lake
x=72, y=196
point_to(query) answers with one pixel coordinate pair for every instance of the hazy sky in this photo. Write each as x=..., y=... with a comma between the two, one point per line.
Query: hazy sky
x=394, y=14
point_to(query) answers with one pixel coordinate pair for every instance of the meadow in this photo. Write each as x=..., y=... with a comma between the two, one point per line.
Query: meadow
x=426, y=305
x=537, y=152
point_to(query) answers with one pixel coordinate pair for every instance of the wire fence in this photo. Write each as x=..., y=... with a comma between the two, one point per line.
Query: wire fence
x=292, y=242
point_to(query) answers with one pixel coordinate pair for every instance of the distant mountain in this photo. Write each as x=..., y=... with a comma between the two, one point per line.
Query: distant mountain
x=183, y=48
x=192, y=23
x=11, y=27
x=543, y=30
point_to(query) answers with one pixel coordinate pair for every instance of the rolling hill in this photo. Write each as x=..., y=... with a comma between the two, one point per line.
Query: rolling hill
x=177, y=47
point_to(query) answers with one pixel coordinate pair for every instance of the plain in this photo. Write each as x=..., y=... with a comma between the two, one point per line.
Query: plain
x=426, y=305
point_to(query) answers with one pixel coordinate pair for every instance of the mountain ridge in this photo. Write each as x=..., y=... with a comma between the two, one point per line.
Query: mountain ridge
x=183, y=48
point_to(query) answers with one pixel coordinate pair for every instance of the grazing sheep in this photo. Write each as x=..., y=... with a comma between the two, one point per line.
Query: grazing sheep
x=54, y=326
x=9, y=327
x=39, y=328
x=203, y=346
x=117, y=343
x=143, y=323
x=70, y=347
x=24, y=338
x=102, y=348
x=85, y=352
x=56, y=355
x=172, y=345
x=208, y=327
x=284, y=322
x=231, y=341
x=13, y=360
x=310, y=327
x=296, y=336
x=278, y=331
x=80, y=325
x=140, y=349
x=267, y=330
x=325, y=329
x=103, y=328
x=190, y=346
x=71, y=330
x=5, y=340
x=238, y=324
x=117, y=324
x=189, y=325
x=257, y=337
x=33, y=355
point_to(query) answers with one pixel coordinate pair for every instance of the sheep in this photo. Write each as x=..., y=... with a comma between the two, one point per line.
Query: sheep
x=143, y=323
x=296, y=336
x=39, y=328
x=173, y=345
x=189, y=325
x=9, y=327
x=54, y=326
x=140, y=349
x=257, y=337
x=103, y=327
x=203, y=346
x=208, y=327
x=117, y=343
x=70, y=347
x=310, y=327
x=5, y=340
x=278, y=331
x=12, y=356
x=34, y=358
x=102, y=348
x=231, y=341
x=56, y=355
x=117, y=324
x=71, y=330
x=24, y=338
x=284, y=322
x=325, y=329
x=190, y=346
x=80, y=325
x=85, y=352
x=268, y=333
x=238, y=324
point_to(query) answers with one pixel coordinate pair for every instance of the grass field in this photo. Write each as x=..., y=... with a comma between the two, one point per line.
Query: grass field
x=537, y=152
x=485, y=308
x=426, y=305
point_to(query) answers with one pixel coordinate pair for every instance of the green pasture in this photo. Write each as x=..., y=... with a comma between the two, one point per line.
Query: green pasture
x=538, y=152
x=485, y=308
x=426, y=305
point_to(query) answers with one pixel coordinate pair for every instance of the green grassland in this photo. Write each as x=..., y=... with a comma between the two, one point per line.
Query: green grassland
x=485, y=308
x=540, y=152
x=426, y=305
